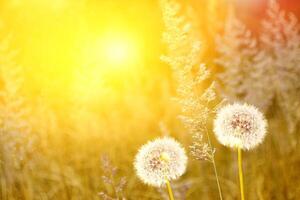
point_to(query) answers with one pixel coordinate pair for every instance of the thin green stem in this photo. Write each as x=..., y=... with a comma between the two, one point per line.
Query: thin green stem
x=170, y=192
x=241, y=173
x=215, y=168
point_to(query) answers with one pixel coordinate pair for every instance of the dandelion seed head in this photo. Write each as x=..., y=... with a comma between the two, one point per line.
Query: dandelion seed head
x=240, y=125
x=160, y=160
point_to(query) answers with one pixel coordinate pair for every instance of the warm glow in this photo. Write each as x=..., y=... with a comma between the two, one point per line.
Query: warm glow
x=112, y=51
x=85, y=83
x=119, y=51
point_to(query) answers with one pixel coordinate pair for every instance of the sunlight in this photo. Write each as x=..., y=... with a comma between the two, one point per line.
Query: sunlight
x=113, y=51
x=119, y=51
x=106, y=58
x=164, y=99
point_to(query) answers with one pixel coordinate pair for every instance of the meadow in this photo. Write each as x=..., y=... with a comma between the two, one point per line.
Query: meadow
x=84, y=84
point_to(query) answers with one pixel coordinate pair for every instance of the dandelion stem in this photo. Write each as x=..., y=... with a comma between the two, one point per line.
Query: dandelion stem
x=170, y=192
x=215, y=168
x=241, y=173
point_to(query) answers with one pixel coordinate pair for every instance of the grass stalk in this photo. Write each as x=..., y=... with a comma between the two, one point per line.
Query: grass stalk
x=215, y=168
x=217, y=178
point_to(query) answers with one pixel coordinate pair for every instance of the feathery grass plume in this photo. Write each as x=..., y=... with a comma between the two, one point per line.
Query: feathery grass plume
x=280, y=39
x=160, y=161
x=16, y=141
x=109, y=178
x=264, y=70
x=183, y=56
x=197, y=101
x=240, y=126
x=240, y=80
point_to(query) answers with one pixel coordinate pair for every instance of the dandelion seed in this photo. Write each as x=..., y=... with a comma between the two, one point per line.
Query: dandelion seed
x=159, y=161
x=240, y=126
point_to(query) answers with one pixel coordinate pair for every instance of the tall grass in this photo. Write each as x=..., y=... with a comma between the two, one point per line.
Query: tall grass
x=53, y=136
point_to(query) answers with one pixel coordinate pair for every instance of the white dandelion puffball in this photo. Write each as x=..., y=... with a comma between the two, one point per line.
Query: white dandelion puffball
x=160, y=160
x=240, y=126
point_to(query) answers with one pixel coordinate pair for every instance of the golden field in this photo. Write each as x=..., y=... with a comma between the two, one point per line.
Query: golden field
x=84, y=84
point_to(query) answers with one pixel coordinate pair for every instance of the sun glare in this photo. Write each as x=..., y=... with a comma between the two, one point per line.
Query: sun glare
x=119, y=51
x=112, y=51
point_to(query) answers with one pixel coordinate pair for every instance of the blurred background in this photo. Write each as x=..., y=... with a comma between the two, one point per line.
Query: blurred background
x=83, y=79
